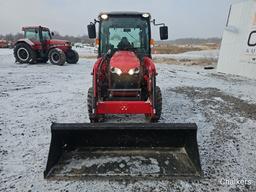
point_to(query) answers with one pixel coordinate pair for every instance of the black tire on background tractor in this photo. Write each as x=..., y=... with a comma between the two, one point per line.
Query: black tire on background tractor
x=72, y=56
x=158, y=106
x=57, y=56
x=23, y=53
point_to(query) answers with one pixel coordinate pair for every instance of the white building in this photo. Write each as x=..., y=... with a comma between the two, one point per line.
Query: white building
x=238, y=48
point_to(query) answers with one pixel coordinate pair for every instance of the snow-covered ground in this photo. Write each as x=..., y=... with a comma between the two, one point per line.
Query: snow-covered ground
x=32, y=96
x=86, y=51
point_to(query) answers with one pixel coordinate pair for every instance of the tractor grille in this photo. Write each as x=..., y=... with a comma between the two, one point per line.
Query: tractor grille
x=125, y=81
x=124, y=94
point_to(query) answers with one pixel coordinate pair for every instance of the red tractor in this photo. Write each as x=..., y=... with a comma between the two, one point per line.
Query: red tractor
x=124, y=82
x=124, y=76
x=38, y=46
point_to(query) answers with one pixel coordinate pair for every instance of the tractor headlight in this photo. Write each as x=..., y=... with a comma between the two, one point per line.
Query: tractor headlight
x=145, y=15
x=104, y=16
x=134, y=71
x=116, y=70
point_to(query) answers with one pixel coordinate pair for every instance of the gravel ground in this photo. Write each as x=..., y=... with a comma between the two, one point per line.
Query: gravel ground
x=32, y=96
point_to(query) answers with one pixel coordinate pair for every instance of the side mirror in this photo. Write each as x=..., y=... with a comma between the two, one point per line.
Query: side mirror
x=252, y=39
x=91, y=31
x=52, y=33
x=163, y=32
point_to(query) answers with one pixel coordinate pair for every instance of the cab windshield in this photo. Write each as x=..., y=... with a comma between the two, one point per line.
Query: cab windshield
x=33, y=34
x=124, y=33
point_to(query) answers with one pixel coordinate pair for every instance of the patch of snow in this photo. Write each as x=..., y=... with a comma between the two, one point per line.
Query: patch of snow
x=86, y=51
x=218, y=99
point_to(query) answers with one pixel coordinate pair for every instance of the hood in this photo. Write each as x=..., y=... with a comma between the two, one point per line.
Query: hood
x=59, y=42
x=124, y=60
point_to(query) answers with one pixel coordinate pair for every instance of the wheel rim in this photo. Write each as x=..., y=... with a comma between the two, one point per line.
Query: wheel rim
x=23, y=54
x=55, y=57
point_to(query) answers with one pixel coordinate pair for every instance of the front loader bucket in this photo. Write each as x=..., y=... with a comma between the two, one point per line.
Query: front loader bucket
x=123, y=151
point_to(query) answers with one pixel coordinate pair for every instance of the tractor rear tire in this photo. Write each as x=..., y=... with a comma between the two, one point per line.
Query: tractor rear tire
x=23, y=53
x=57, y=56
x=158, y=107
x=72, y=56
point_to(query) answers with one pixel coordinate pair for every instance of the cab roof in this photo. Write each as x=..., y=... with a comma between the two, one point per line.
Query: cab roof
x=124, y=13
x=34, y=27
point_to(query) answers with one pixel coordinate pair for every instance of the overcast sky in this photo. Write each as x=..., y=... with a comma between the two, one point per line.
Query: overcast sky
x=185, y=18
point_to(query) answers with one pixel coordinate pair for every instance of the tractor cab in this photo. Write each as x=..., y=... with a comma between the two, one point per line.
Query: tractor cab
x=37, y=33
x=42, y=38
x=128, y=31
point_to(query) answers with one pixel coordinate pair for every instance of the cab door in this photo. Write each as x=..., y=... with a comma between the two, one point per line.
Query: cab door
x=33, y=35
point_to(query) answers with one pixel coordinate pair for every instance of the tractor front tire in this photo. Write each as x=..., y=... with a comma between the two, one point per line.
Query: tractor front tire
x=23, y=53
x=57, y=56
x=72, y=56
x=93, y=117
x=158, y=106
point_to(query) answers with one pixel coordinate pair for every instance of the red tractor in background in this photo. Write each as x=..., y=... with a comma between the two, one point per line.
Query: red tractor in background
x=38, y=46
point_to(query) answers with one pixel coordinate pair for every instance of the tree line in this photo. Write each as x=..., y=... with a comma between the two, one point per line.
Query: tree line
x=193, y=41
